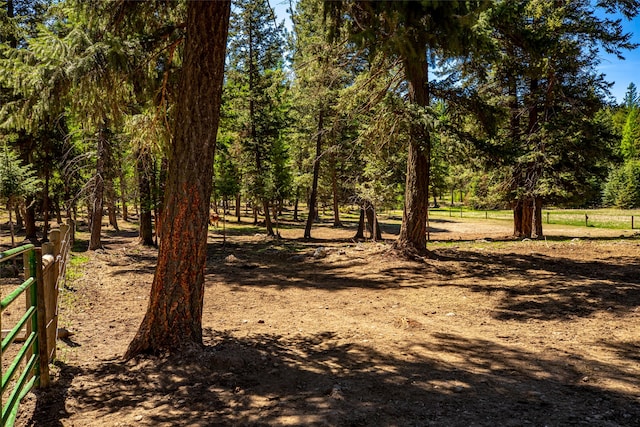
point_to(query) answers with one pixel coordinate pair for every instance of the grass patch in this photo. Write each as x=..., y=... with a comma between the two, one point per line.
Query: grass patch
x=75, y=267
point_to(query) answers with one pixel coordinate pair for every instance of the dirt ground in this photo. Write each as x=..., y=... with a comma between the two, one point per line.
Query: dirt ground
x=489, y=332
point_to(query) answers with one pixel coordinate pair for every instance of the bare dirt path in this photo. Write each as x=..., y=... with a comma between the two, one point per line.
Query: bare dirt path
x=491, y=331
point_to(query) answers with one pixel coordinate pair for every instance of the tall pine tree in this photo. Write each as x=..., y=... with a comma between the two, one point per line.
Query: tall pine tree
x=256, y=74
x=410, y=31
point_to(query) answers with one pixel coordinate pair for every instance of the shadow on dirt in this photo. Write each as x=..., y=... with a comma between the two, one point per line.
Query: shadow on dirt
x=320, y=380
x=51, y=403
x=558, y=288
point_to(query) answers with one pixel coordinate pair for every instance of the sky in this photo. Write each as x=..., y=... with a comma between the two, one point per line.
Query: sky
x=619, y=72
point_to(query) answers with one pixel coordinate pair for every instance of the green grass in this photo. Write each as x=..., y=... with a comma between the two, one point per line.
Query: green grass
x=600, y=218
x=75, y=266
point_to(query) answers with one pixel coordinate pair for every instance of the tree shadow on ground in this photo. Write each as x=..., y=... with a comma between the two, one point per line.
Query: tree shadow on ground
x=513, y=239
x=557, y=287
x=266, y=379
x=50, y=407
x=288, y=265
x=80, y=245
x=120, y=235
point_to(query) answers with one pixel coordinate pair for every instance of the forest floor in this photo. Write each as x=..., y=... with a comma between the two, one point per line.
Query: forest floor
x=490, y=331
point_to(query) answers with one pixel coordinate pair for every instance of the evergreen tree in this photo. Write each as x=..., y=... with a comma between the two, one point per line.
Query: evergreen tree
x=410, y=31
x=66, y=70
x=631, y=97
x=256, y=73
x=173, y=320
x=377, y=157
x=323, y=68
x=542, y=73
x=227, y=178
x=623, y=188
x=17, y=181
x=630, y=145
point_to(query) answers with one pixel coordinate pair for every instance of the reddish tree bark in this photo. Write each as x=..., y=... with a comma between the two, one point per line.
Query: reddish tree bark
x=413, y=232
x=173, y=320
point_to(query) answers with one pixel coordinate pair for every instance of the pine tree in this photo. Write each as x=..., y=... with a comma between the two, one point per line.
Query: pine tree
x=64, y=70
x=542, y=74
x=630, y=145
x=255, y=71
x=173, y=320
x=17, y=181
x=322, y=69
x=623, y=187
x=631, y=97
x=409, y=31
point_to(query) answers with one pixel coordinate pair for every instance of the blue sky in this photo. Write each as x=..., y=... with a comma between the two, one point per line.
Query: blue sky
x=618, y=72
x=624, y=72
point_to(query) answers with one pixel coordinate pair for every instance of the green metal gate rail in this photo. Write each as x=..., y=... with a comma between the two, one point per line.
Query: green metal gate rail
x=36, y=369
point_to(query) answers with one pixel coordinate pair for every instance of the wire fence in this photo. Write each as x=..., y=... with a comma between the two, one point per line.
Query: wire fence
x=599, y=218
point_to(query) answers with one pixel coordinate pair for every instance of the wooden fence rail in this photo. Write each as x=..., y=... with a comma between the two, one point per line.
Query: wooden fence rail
x=44, y=272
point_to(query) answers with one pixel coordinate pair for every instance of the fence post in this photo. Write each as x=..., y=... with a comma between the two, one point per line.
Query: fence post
x=29, y=263
x=41, y=319
x=50, y=269
x=72, y=228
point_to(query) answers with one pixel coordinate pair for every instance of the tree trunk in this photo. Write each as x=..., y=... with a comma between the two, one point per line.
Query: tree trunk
x=360, y=233
x=334, y=185
x=517, y=218
x=295, y=210
x=238, y=206
x=313, y=197
x=145, y=234
x=527, y=217
x=30, y=227
x=98, y=194
x=111, y=204
x=372, y=224
x=528, y=222
x=45, y=206
x=19, y=222
x=536, y=226
x=413, y=232
x=58, y=210
x=173, y=321
x=123, y=194
x=267, y=218
x=11, y=229
x=523, y=217
x=159, y=183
